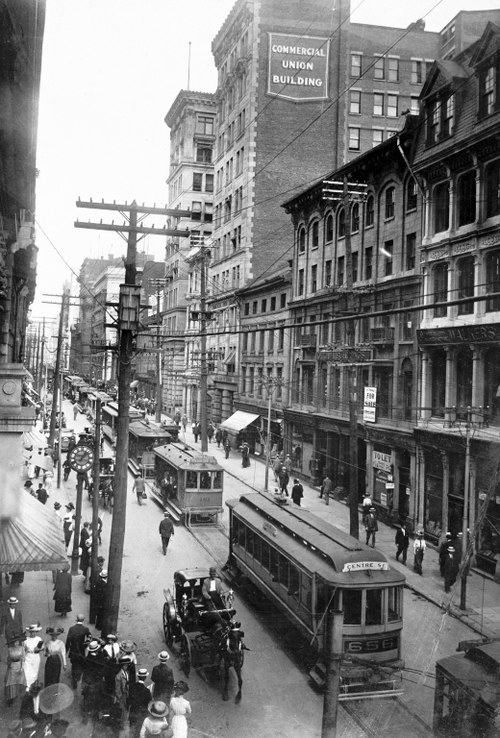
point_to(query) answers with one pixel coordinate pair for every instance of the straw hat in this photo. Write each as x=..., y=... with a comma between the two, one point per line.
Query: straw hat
x=128, y=646
x=157, y=708
x=142, y=674
x=163, y=656
x=34, y=628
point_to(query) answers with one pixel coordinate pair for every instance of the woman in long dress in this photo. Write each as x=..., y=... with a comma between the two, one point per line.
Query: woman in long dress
x=33, y=645
x=55, y=651
x=62, y=592
x=179, y=709
x=15, y=681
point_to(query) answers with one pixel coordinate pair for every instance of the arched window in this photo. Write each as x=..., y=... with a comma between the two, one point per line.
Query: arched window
x=441, y=198
x=355, y=218
x=302, y=240
x=467, y=198
x=329, y=228
x=411, y=195
x=440, y=288
x=370, y=211
x=341, y=223
x=314, y=235
x=493, y=189
x=389, y=202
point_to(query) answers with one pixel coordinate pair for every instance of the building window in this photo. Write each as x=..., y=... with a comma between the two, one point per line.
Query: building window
x=411, y=195
x=354, y=138
x=377, y=136
x=368, y=262
x=414, y=105
x=355, y=218
x=328, y=273
x=314, y=278
x=205, y=124
x=410, y=252
x=273, y=303
x=448, y=108
x=197, y=182
x=263, y=306
x=340, y=270
x=370, y=211
x=389, y=203
x=493, y=280
x=281, y=339
x=262, y=336
x=209, y=182
x=247, y=309
x=467, y=198
x=354, y=102
x=379, y=68
x=392, y=106
x=434, y=122
x=195, y=212
x=283, y=300
x=302, y=240
x=204, y=154
x=329, y=228
x=356, y=65
x=254, y=307
x=314, y=235
x=440, y=289
x=465, y=268
x=301, y=282
x=442, y=207
x=270, y=341
x=388, y=252
x=393, y=69
x=493, y=189
x=355, y=266
x=440, y=116
x=341, y=226
x=378, y=103
x=417, y=71
x=488, y=91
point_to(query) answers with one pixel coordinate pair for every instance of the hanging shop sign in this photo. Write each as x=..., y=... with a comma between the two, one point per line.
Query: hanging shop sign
x=370, y=405
x=298, y=67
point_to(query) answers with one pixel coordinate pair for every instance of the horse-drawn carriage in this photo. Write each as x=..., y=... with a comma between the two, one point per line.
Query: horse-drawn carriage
x=202, y=634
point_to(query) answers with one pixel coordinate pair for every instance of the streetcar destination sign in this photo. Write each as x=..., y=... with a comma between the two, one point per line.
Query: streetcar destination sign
x=366, y=565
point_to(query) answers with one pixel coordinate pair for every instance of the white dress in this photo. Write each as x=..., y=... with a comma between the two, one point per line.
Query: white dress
x=179, y=708
x=32, y=647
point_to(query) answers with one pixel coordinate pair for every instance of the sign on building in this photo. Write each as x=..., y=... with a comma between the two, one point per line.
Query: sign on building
x=370, y=405
x=298, y=67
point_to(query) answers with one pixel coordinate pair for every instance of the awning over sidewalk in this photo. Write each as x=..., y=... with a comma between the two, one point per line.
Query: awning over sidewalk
x=33, y=540
x=238, y=420
x=33, y=439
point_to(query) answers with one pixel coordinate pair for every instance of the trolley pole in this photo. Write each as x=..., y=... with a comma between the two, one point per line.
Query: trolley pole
x=95, y=509
x=334, y=624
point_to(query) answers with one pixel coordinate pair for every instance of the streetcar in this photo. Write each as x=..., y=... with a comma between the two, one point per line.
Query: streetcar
x=467, y=691
x=110, y=417
x=143, y=436
x=306, y=566
x=189, y=483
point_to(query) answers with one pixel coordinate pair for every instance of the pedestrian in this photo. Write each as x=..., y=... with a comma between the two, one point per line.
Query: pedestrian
x=85, y=548
x=419, y=547
x=75, y=648
x=162, y=677
x=288, y=464
x=402, y=542
x=450, y=569
x=283, y=479
x=128, y=648
x=29, y=710
x=140, y=489
x=458, y=545
x=110, y=653
x=326, y=488
x=184, y=422
x=156, y=722
x=179, y=710
x=28, y=486
x=68, y=523
x=66, y=469
x=367, y=504
x=443, y=550
x=55, y=653
x=92, y=681
x=62, y=592
x=100, y=597
x=218, y=437
x=42, y=494
x=15, y=680
x=11, y=619
x=33, y=646
x=297, y=492
x=75, y=411
x=196, y=431
x=139, y=697
x=227, y=447
x=210, y=431
x=277, y=466
x=121, y=691
x=371, y=526
x=245, y=455
x=166, y=529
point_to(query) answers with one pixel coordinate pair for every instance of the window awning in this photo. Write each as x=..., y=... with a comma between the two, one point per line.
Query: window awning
x=33, y=540
x=238, y=421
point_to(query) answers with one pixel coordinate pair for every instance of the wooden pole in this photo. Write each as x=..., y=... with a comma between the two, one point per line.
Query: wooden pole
x=335, y=625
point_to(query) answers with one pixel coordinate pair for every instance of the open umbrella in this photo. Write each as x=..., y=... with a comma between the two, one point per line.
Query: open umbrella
x=56, y=698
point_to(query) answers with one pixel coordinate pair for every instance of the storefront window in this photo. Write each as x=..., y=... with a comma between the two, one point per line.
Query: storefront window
x=433, y=494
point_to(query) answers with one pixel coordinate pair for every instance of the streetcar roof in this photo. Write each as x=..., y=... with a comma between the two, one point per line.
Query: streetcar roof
x=142, y=429
x=317, y=545
x=471, y=672
x=183, y=457
x=112, y=409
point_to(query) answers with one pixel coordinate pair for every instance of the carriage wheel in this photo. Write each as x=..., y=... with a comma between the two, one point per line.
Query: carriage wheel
x=185, y=654
x=167, y=628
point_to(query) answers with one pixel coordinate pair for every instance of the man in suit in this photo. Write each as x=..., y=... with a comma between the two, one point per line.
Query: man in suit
x=402, y=542
x=11, y=620
x=75, y=648
x=122, y=688
x=162, y=677
x=139, y=697
x=212, y=591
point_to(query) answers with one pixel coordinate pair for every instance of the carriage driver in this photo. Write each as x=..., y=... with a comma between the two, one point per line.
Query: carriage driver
x=212, y=591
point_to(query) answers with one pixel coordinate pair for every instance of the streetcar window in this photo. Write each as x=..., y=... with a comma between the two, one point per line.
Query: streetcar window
x=351, y=605
x=394, y=602
x=283, y=571
x=217, y=480
x=294, y=583
x=322, y=596
x=373, y=608
x=306, y=591
x=249, y=544
x=274, y=564
x=266, y=553
x=191, y=480
x=204, y=480
x=257, y=548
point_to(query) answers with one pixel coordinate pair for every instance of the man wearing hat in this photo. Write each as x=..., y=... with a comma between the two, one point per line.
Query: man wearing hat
x=75, y=648
x=162, y=677
x=110, y=653
x=443, y=550
x=166, y=530
x=121, y=688
x=139, y=697
x=212, y=590
x=371, y=526
x=92, y=680
x=11, y=619
x=419, y=546
x=450, y=569
x=101, y=586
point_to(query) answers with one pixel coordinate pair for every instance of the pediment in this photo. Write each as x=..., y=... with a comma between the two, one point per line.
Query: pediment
x=488, y=44
x=442, y=74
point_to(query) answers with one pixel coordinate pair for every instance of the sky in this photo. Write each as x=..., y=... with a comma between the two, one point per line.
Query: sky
x=111, y=69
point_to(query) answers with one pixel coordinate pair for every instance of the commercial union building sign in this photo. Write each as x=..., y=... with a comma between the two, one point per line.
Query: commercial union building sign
x=298, y=67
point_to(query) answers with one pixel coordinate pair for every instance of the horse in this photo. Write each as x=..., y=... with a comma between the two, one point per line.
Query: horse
x=231, y=653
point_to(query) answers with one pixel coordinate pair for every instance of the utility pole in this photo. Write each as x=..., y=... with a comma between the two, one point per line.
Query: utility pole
x=158, y=283
x=95, y=509
x=334, y=647
x=271, y=385
x=57, y=372
x=129, y=308
x=346, y=192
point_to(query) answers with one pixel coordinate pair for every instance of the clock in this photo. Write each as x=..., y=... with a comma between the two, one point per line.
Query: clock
x=81, y=458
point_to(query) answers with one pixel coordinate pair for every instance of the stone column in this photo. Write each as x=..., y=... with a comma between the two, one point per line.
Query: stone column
x=451, y=387
x=426, y=384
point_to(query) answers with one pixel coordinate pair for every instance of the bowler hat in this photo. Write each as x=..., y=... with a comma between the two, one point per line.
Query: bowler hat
x=57, y=505
x=111, y=637
x=157, y=708
x=163, y=656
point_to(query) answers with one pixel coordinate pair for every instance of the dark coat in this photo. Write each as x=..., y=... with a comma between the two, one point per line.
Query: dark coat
x=402, y=538
x=10, y=625
x=371, y=524
x=297, y=491
x=62, y=592
x=75, y=641
x=162, y=677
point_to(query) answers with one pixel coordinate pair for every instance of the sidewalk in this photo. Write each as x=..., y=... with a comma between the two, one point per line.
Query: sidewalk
x=482, y=612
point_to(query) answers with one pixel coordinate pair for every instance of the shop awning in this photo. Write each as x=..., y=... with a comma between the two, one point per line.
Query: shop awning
x=238, y=421
x=33, y=439
x=33, y=540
